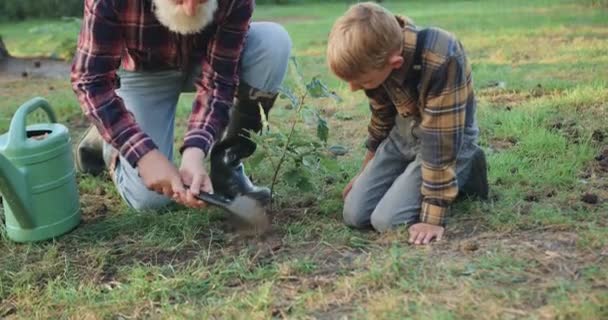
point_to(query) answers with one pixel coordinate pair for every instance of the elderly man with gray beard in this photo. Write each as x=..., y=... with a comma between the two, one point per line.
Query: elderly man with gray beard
x=135, y=58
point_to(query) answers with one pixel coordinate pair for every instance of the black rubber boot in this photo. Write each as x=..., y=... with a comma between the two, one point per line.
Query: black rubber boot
x=227, y=172
x=477, y=185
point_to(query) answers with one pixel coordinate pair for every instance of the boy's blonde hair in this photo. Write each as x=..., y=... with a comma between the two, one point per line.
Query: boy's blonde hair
x=362, y=40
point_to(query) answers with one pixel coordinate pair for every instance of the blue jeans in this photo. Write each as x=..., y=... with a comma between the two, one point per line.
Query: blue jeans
x=387, y=193
x=152, y=98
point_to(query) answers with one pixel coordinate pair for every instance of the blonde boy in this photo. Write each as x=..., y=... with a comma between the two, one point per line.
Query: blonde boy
x=422, y=144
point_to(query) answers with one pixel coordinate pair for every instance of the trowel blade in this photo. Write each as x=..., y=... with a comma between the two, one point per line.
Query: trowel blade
x=246, y=209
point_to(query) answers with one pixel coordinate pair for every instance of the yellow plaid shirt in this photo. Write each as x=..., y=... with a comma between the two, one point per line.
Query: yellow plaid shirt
x=444, y=101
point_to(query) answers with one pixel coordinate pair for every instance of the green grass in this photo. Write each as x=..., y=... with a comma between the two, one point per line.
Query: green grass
x=535, y=251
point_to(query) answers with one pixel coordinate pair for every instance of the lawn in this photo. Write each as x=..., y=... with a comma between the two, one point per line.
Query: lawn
x=537, y=250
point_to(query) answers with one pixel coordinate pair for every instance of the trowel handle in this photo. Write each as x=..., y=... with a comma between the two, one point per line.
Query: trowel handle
x=16, y=132
x=213, y=199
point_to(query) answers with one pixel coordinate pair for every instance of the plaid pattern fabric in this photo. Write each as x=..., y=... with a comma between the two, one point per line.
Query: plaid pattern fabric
x=126, y=33
x=445, y=98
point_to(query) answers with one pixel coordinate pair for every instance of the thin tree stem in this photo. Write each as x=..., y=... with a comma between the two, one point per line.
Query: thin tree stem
x=282, y=159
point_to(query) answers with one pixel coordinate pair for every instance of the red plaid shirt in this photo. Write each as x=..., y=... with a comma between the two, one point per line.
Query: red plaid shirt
x=126, y=33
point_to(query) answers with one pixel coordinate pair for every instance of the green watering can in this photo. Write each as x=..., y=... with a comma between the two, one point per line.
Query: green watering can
x=37, y=177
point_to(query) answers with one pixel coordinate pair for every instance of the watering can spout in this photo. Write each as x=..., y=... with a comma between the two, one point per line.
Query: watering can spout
x=12, y=187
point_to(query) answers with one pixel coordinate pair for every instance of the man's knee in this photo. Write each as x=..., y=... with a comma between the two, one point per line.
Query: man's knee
x=147, y=202
x=135, y=193
x=269, y=49
x=277, y=42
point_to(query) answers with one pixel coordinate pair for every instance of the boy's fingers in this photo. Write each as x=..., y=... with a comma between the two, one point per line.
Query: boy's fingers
x=413, y=235
x=420, y=237
x=428, y=238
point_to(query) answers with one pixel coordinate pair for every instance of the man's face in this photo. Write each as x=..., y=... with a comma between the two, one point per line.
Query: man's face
x=185, y=16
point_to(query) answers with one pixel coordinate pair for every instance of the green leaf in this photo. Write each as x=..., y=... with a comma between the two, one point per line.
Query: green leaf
x=317, y=89
x=310, y=162
x=329, y=164
x=305, y=185
x=322, y=129
x=299, y=178
x=256, y=159
x=309, y=116
x=296, y=66
x=286, y=93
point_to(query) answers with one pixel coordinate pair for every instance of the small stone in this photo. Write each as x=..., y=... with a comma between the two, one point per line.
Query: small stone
x=470, y=246
x=338, y=150
x=531, y=197
x=598, y=136
x=590, y=198
x=603, y=155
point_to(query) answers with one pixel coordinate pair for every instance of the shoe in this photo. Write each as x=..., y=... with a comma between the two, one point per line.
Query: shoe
x=477, y=185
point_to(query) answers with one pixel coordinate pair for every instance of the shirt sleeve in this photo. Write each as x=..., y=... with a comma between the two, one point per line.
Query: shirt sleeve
x=442, y=128
x=216, y=89
x=93, y=77
x=383, y=117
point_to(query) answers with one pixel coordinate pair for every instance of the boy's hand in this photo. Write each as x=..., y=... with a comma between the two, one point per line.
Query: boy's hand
x=348, y=187
x=423, y=233
x=368, y=157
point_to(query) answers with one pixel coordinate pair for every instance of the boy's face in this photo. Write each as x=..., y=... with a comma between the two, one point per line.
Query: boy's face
x=375, y=77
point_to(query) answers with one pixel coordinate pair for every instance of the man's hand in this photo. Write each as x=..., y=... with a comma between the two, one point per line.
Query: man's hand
x=423, y=233
x=160, y=175
x=193, y=174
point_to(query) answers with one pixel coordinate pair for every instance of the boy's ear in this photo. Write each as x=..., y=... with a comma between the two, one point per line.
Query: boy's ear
x=396, y=61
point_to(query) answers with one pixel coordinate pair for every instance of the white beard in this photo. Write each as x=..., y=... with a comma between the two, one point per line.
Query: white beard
x=174, y=17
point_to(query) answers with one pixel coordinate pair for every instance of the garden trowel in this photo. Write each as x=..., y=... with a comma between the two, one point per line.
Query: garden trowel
x=247, y=209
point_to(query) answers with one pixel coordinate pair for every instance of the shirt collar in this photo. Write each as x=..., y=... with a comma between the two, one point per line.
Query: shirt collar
x=410, y=35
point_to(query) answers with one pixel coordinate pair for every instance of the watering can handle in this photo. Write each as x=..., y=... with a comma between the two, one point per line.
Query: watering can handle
x=16, y=132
